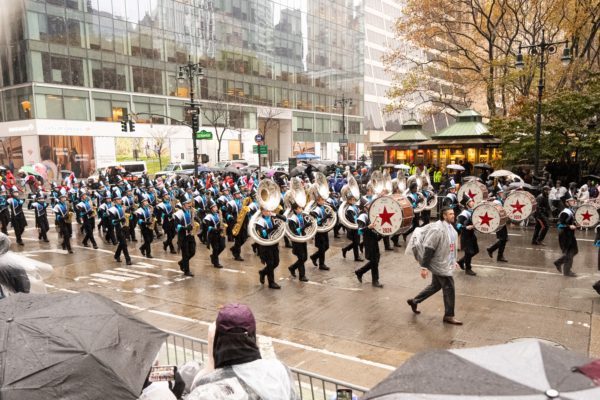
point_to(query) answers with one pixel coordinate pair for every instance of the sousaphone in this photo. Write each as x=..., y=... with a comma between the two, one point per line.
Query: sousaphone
x=297, y=194
x=267, y=197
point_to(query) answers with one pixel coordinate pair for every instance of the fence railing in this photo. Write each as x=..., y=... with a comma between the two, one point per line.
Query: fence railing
x=178, y=349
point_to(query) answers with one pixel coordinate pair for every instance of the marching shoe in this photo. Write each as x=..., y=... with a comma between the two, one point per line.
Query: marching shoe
x=70, y=251
x=535, y=243
x=238, y=258
x=314, y=260
x=377, y=284
x=274, y=286
x=413, y=305
x=173, y=252
x=292, y=271
x=452, y=320
x=358, y=276
x=95, y=247
x=570, y=274
x=359, y=259
x=501, y=259
x=118, y=259
x=188, y=273
x=558, y=266
x=470, y=272
x=461, y=264
x=128, y=262
x=324, y=267
x=389, y=249
x=149, y=256
x=344, y=252
x=541, y=243
x=397, y=245
x=85, y=245
x=143, y=251
x=490, y=252
x=261, y=276
x=303, y=279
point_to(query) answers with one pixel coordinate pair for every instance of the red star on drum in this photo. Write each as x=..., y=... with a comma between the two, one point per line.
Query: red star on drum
x=587, y=216
x=386, y=217
x=517, y=207
x=485, y=219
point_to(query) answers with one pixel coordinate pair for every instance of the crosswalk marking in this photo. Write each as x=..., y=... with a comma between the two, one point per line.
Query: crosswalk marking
x=138, y=272
x=113, y=277
x=121, y=274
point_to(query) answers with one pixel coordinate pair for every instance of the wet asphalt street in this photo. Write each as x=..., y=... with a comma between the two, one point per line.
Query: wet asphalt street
x=333, y=325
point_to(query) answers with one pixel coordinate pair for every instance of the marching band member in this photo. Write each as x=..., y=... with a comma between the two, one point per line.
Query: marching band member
x=542, y=212
x=117, y=218
x=200, y=205
x=451, y=200
x=283, y=185
x=468, y=240
x=425, y=214
x=62, y=213
x=185, y=237
x=128, y=203
x=371, y=240
x=86, y=212
x=215, y=239
x=39, y=205
x=4, y=211
x=106, y=223
x=269, y=255
x=566, y=239
x=332, y=201
x=299, y=249
x=166, y=213
x=152, y=201
x=232, y=210
x=144, y=218
x=502, y=234
x=352, y=213
x=413, y=197
x=321, y=238
x=17, y=216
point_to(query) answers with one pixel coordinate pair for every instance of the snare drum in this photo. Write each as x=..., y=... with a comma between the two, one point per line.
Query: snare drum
x=519, y=205
x=391, y=214
x=488, y=217
x=588, y=214
x=475, y=190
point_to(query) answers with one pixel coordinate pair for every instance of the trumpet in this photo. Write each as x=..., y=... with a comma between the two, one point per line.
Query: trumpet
x=127, y=216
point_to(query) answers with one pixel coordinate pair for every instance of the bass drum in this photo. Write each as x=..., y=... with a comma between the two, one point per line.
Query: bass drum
x=519, y=205
x=588, y=214
x=475, y=190
x=391, y=214
x=489, y=217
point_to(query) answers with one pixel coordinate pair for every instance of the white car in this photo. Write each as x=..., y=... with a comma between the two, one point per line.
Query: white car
x=172, y=168
x=280, y=166
x=135, y=168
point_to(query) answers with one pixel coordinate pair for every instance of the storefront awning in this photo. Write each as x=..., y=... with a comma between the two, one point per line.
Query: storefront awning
x=397, y=146
x=473, y=142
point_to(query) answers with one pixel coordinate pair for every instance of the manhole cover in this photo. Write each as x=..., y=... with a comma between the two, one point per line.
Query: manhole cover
x=578, y=293
x=544, y=341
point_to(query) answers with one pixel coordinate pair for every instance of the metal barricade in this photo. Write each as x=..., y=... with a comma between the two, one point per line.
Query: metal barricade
x=178, y=349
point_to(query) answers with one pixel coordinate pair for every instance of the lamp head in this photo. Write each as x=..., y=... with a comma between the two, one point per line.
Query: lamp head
x=181, y=78
x=519, y=64
x=566, y=58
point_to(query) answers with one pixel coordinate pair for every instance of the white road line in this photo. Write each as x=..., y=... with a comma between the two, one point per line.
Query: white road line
x=144, y=265
x=50, y=286
x=122, y=274
x=285, y=342
x=517, y=269
x=112, y=252
x=100, y=280
x=173, y=270
x=514, y=234
x=334, y=287
x=139, y=272
x=233, y=270
x=68, y=291
x=131, y=306
x=112, y=277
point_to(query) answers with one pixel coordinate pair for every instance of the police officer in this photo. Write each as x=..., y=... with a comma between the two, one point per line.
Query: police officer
x=468, y=240
x=167, y=213
x=566, y=239
x=371, y=240
x=541, y=217
x=86, y=213
x=61, y=210
x=215, y=231
x=17, y=216
x=502, y=234
x=117, y=218
x=185, y=236
x=144, y=218
x=39, y=205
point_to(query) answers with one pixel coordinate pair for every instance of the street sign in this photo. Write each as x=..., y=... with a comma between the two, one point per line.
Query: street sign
x=259, y=139
x=343, y=142
x=263, y=149
x=191, y=111
x=204, y=135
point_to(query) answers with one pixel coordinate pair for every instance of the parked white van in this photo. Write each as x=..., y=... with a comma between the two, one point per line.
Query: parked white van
x=136, y=168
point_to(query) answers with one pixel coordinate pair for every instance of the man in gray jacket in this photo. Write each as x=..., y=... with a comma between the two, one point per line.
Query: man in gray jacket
x=436, y=249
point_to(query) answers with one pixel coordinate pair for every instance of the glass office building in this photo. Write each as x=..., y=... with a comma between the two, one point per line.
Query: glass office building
x=72, y=69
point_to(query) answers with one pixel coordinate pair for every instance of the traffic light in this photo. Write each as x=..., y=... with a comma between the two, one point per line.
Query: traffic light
x=204, y=158
x=195, y=125
x=131, y=126
x=123, y=126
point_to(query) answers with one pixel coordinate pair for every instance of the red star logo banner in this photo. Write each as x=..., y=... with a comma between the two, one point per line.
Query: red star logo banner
x=587, y=216
x=386, y=217
x=471, y=194
x=485, y=219
x=517, y=208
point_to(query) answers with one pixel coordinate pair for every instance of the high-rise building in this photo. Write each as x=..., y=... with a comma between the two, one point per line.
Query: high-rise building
x=71, y=70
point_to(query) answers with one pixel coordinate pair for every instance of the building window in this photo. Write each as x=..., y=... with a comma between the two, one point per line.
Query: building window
x=49, y=103
x=77, y=105
x=110, y=107
x=18, y=104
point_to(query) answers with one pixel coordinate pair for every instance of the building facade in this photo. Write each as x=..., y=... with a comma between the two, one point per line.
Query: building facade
x=71, y=70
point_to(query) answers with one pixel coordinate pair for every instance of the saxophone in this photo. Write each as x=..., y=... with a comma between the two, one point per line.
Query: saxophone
x=127, y=216
x=240, y=219
x=222, y=225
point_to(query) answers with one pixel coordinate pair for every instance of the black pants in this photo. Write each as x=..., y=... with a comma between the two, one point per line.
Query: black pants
x=170, y=234
x=239, y=240
x=287, y=241
x=336, y=229
x=373, y=266
x=110, y=233
x=19, y=222
x=566, y=260
x=541, y=228
x=271, y=261
x=66, y=232
x=301, y=252
x=499, y=245
x=132, y=228
x=446, y=284
x=415, y=225
x=148, y=237
x=5, y=220
x=188, y=250
x=43, y=226
x=104, y=223
x=354, y=244
x=425, y=217
x=466, y=259
x=122, y=247
x=88, y=229
x=386, y=242
x=217, y=242
x=322, y=243
x=395, y=239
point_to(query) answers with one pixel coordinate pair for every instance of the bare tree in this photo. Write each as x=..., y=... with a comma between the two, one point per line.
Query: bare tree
x=216, y=114
x=162, y=138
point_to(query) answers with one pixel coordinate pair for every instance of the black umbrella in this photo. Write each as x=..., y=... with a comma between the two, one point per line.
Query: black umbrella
x=516, y=185
x=234, y=170
x=73, y=346
x=527, y=368
x=298, y=170
x=483, y=166
x=279, y=174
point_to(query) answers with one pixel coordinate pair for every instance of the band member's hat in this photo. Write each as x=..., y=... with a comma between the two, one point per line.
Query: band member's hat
x=236, y=189
x=14, y=189
x=452, y=184
x=210, y=204
x=253, y=192
x=465, y=199
x=364, y=201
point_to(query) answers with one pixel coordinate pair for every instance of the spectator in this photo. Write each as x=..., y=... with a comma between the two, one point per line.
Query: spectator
x=594, y=191
x=484, y=175
x=556, y=195
x=235, y=369
x=162, y=390
x=583, y=194
x=468, y=168
x=528, y=178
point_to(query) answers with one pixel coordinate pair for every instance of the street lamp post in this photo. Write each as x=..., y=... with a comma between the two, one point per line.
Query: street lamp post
x=192, y=70
x=544, y=49
x=343, y=102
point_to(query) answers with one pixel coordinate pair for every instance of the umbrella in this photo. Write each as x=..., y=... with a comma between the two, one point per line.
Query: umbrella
x=41, y=169
x=527, y=368
x=203, y=169
x=516, y=185
x=402, y=166
x=270, y=174
x=307, y=156
x=501, y=172
x=3, y=168
x=70, y=346
x=279, y=174
x=28, y=170
x=483, y=166
x=298, y=170
x=390, y=166
x=233, y=170
x=65, y=172
x=455, y=166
